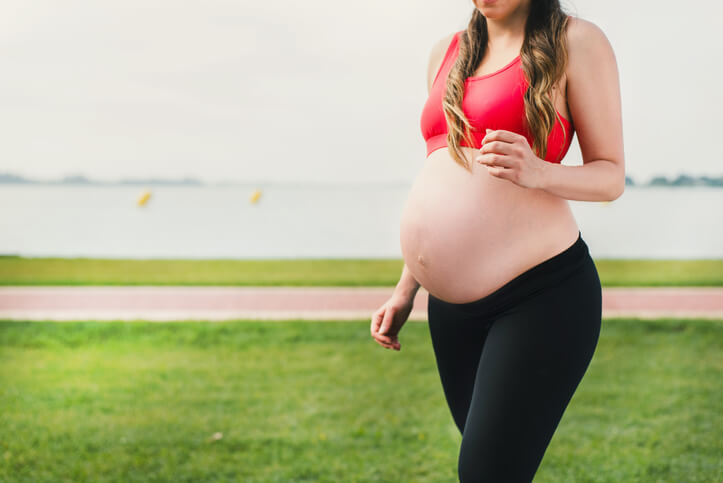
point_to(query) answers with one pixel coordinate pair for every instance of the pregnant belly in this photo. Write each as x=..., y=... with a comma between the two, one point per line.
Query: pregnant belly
x=463, y=235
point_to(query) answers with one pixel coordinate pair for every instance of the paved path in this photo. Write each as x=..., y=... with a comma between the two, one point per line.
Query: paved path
x=318, y=303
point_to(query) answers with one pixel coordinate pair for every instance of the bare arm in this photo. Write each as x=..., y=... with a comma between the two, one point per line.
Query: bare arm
x=407, y=285
x=593, y=95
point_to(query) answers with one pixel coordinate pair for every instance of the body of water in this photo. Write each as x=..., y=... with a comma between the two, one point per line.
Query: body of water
x=321, y=221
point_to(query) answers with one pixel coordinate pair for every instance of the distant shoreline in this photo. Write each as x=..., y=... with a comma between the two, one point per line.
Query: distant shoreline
x=682, y=180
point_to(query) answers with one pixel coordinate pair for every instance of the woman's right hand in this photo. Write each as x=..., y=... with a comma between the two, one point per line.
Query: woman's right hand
x=388, y=320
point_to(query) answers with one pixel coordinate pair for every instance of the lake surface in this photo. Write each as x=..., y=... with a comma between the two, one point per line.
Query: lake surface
x=321, y=221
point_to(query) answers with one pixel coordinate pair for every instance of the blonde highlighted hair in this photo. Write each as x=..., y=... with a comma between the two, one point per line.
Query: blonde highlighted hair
x=544, y=58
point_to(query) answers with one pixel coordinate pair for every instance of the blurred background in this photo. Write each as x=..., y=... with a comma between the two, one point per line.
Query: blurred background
x=150, y=145
x=252, y=129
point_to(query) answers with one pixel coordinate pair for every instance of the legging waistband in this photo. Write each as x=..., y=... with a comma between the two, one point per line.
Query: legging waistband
x=545, y=274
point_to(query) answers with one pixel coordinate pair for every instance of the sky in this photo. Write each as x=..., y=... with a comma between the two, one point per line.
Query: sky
x=313, y=91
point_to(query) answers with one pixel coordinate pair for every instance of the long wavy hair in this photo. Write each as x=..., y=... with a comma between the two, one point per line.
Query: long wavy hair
x=544, y=57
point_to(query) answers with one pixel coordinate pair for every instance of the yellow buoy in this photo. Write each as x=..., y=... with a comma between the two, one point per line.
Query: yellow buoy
x=144, y=198
x=255, y=196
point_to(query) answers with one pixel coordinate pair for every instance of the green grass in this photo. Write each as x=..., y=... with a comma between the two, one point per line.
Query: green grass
x=309, y=272
x=320, y=401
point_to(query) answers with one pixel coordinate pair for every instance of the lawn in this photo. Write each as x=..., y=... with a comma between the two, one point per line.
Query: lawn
x=309, y=272
x=320, y=401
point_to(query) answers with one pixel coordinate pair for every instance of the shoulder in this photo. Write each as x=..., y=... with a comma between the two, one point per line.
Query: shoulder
x=436, y=56
x=440, y=47
x=586, y=43
x=593, y=93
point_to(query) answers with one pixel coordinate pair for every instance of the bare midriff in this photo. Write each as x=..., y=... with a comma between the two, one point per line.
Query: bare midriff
x=464, y=235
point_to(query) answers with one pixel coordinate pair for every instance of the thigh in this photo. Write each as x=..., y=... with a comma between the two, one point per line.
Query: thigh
x=457, y=341
x=534, y=358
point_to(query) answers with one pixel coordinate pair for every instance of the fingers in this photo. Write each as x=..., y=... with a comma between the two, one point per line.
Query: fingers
x=386, y=322
x=376, y=329
x=502, y=173
x=393, y=345
x=376, y=320
x=377, y=332
x=386, y=325
x=386, y=341
x=502, y=135
x=497, y=160
x=499, y=147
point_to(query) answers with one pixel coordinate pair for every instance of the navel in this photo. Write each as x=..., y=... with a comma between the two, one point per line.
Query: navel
x=421, y=260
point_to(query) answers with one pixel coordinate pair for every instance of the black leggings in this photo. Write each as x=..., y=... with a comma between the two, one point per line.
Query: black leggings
x=510, y=362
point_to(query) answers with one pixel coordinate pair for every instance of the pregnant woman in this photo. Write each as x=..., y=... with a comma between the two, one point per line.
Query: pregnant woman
x=515, y=301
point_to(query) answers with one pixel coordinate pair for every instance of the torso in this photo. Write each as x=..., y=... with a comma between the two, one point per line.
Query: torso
x=464, y=235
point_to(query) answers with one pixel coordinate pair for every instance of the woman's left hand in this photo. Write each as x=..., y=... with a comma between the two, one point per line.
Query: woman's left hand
x=508, y=155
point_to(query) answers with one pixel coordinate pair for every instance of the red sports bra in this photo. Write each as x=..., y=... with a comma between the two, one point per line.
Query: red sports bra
x=493, y=101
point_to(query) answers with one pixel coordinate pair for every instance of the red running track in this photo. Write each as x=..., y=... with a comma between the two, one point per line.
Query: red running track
x=156, y=303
